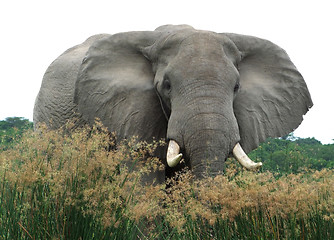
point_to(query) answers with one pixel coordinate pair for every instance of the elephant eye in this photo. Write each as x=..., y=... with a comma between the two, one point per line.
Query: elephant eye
x=236, y=87
x=166, y=85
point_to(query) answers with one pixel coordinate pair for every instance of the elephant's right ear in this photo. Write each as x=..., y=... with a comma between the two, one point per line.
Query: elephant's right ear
x=115, y=84
x=273, y=96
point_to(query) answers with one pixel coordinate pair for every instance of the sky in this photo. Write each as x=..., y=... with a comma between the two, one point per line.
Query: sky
x=35, y=32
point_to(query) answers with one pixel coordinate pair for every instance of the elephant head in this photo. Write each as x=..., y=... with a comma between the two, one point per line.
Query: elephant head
x=207, y=93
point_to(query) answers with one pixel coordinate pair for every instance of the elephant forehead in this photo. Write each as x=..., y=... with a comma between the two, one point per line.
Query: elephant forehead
x=204, y=38
x=184, y=41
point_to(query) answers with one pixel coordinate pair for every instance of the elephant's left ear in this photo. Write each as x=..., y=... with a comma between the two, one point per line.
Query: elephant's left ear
x=115, y=84
x=273, y=96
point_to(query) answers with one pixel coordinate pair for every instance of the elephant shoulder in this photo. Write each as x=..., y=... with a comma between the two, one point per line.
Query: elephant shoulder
x=66, y=67
x=54, y=101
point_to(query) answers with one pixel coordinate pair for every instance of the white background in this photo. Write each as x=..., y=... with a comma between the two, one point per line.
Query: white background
x=34, y=33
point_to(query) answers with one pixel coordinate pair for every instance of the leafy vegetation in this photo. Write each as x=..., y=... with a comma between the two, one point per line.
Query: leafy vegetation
x=79, y=186
x=11, y=130
x=293, y=155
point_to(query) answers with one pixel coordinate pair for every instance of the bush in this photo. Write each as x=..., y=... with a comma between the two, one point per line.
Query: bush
x=11, y=130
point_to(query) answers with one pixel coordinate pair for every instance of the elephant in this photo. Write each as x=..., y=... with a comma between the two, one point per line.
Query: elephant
x=209, y=95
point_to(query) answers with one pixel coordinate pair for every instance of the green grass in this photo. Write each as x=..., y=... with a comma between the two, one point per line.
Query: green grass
x=60, y=186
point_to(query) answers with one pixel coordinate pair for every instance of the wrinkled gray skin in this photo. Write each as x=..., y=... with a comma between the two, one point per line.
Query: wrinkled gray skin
x=205, y=90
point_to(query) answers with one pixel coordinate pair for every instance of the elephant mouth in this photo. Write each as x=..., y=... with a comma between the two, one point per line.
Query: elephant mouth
x=174, y=156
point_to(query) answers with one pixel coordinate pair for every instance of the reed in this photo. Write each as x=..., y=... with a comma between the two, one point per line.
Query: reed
x=77, y=184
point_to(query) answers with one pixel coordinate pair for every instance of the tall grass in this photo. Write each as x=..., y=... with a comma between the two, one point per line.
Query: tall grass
x=76, y=184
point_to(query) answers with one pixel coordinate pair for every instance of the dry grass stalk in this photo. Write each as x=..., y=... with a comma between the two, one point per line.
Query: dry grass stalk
x=82, y=168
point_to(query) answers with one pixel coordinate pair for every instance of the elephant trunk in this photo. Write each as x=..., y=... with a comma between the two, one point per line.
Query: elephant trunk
x=207, y=151
x=205, y=138
x=174, y=156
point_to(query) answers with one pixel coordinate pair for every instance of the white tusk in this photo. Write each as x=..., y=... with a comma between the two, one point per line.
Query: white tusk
x=173, y=154
x=243, y=159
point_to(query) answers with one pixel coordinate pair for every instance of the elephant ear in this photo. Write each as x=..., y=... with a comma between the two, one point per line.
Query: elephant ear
x=115, y=84
x=273, y=96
